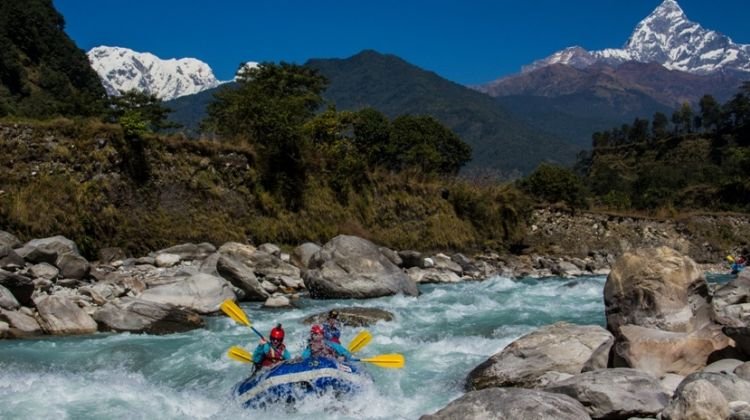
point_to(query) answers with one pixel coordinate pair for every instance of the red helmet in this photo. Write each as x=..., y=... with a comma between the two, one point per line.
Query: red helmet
x=277, y=333
x=316, y=329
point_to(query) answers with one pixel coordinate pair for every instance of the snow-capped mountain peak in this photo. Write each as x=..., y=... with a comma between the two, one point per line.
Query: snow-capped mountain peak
x=122, y=69
x=668, y=37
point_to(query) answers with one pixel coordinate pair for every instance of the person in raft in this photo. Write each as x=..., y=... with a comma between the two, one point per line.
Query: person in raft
x=332, y=327
x=268, y=354
x=318, y=346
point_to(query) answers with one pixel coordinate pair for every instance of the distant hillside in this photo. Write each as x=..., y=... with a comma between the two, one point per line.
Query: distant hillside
x=42, y=72
x=502, y=144
x=574, y=103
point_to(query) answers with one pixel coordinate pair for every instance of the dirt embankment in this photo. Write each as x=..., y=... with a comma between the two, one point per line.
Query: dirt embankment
x=707, y=238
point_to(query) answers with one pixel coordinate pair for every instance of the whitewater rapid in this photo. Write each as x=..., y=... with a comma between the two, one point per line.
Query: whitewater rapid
x=444, y=334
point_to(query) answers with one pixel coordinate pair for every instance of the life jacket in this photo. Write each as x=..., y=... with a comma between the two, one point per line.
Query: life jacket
x=319, y=348
x=332, y=331
x=273, y=355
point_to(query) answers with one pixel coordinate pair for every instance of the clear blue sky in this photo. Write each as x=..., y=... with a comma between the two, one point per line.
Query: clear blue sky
x=466, y=41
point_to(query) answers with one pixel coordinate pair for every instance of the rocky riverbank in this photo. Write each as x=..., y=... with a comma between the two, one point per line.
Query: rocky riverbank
x=675, y=347
x=48, y=287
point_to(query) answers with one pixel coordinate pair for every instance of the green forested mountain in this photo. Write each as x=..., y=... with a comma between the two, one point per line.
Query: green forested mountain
x=500, y=142
x=574, y=103
x=42, y=72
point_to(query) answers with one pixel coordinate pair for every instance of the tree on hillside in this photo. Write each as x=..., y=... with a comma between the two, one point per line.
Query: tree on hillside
x=683, y=119
x=710, y=116
x=42, y=72
x=659, y=125
x=423, y=142
x=555, y=184
x=138, y=112
x=371, y=133
x=639, y=131
x=269, y=107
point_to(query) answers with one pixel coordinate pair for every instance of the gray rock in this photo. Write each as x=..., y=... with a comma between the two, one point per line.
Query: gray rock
x=432, y=275
x=202, y=293
x=270, y=249
x=59, y=244
x=44, y=271
x=697, y=400
x=411, y=259
x=743, y=371
x=600, y=357
x=61, y=316
x=21, y=324
x=615, y=393
x=511, y=404
x=190, y=251
x=391, y=255
x=21, y=287
x=242, y=277
x=277, y=302
x=7, y=300
x=561, y=347
x=654, y=288
x=165, y=260
x=444, y=263
x=352, y=267
x=110, y=255
x=302, y=254
x=141, y=316
x=9, y=259
x=723, y=366
x=9, y=240
x=73, y=266
x=730, y=385
x=353, y=317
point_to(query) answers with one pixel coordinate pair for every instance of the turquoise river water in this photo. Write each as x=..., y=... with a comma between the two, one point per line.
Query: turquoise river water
x=444, y=334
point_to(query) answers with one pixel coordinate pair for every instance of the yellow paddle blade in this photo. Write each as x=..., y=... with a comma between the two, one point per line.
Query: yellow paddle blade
x=360, y=341
x=235, y=312
x=392, y=361
x=239, y=354
x=730, y=258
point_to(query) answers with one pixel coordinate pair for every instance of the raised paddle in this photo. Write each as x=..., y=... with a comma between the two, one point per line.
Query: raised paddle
x=359, y=342
x=236, y=313
x=390, y=361
x=239, y=354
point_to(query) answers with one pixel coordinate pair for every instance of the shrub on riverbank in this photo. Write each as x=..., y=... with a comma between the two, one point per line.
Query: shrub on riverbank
x=87, y=181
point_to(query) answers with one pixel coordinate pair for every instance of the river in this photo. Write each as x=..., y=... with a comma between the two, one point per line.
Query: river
x=444, y=334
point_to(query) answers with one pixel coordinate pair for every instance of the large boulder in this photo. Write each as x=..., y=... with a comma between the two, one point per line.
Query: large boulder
x=352, y=267
x=21, y=324
x=73, y=266
x=302, y=254
x=561, y=347
x=137, y=315
x=201, y=292
x=658, y=352
x=20, y=286
x=47, y=249
x=657, y=307
x=731, y=386
x=615, y=393
x=654, y=288
x=9, y=259
x=59, y=315
x=353, y=317
x=190, y=251
x=9, y=240
x=511, y=404
x=7, y=300
x=698, y=400
x=241, y=276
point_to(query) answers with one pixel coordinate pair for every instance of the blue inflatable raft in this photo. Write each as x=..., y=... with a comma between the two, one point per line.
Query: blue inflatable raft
x=296, y=379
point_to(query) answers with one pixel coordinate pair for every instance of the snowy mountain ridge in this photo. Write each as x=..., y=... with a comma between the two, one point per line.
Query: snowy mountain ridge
x=667, y=37
x=122, y=69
